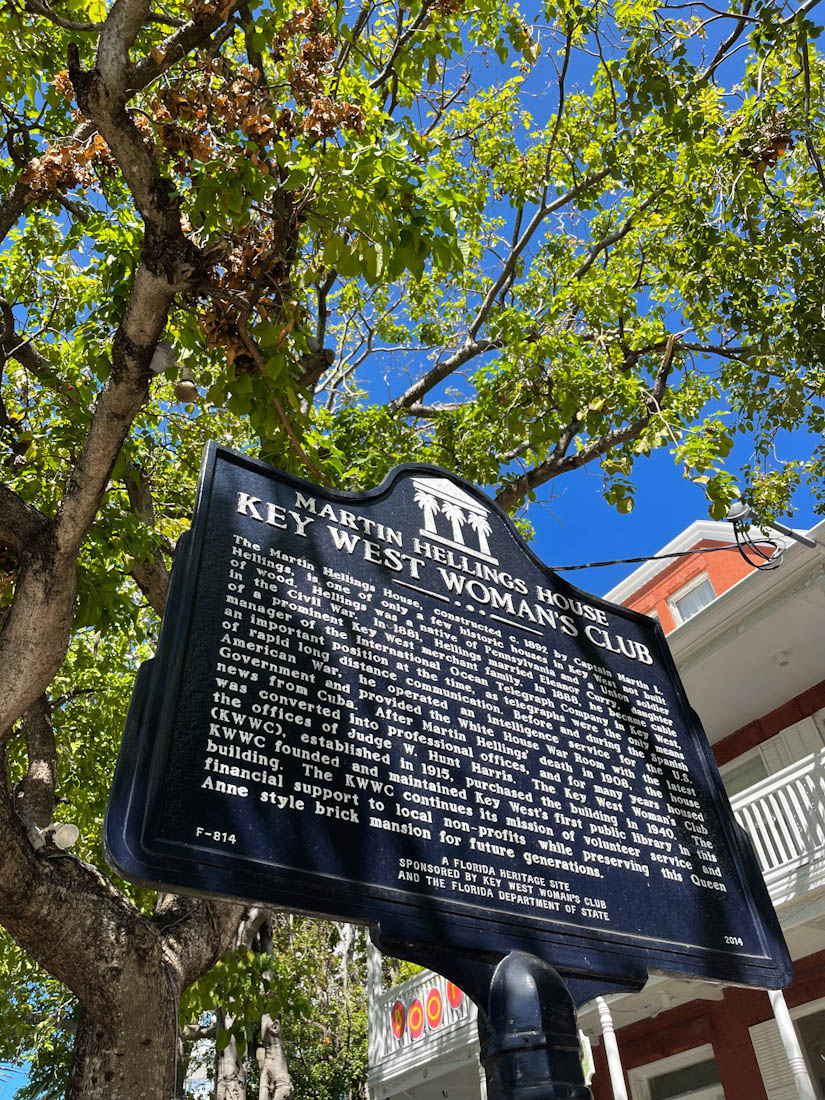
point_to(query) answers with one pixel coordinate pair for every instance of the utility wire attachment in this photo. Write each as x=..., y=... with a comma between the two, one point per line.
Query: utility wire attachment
x=749, y=546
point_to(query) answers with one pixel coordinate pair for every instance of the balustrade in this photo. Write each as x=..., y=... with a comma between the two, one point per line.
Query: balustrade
x=784, y=814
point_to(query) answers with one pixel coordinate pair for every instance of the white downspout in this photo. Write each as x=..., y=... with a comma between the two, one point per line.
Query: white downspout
x=790, y=1041
x=611, y=1049
x=482, y=1083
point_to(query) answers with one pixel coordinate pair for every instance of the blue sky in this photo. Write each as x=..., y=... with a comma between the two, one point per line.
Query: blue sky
x=10, y=1081
x=576, y=525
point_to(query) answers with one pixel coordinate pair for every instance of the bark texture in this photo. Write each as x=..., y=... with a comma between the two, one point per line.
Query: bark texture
x=127, y=970
x=124, y=1035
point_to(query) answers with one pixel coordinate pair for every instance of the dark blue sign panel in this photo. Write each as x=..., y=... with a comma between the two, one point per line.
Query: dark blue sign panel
x=383, y=707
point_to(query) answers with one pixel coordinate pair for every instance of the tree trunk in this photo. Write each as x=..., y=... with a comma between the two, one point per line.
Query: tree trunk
x=126, y=969
x=275, y=1084
x=230, y=1066
x=126, y=1041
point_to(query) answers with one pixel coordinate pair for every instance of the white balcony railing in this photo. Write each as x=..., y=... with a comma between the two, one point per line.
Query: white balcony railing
x=416, y=1021
x=785, y=818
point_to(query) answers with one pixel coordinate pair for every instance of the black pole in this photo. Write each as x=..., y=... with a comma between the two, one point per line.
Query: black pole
x=528, y=1035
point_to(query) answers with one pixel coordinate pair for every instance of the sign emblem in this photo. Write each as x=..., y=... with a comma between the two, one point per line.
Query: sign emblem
x=453, y=517
x=416, y=1019
x=454, y=995
x=435, y=1008
x=399, y=1019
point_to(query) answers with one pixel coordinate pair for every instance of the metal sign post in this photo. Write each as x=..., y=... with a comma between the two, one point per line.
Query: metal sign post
x=528, y=1038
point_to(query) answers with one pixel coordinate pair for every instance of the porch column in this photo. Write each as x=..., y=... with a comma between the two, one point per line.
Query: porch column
x=374, y=990
x=790, y=1040
x=611, y=1049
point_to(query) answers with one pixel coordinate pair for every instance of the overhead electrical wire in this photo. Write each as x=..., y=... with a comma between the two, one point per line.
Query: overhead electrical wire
x=770, y=561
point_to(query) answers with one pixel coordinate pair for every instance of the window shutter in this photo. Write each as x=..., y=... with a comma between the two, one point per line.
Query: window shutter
x=791, y=745
x=802, y=738
x=775, y=753
x=773, y=1062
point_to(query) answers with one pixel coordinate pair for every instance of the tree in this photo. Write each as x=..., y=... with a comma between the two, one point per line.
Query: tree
x=291, y=985
x=226, y=219
x=482, y=529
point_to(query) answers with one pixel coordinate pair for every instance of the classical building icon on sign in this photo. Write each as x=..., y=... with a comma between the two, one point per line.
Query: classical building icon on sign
x=453, y=517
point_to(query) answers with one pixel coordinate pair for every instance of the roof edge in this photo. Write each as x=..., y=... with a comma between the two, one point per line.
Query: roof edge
x=698, y=530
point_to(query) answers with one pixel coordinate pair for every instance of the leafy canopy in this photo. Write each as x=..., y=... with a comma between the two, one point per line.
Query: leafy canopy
x=493, y=219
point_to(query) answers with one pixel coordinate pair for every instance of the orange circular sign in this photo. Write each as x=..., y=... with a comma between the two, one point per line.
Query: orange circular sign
x=454, y=995
x=415, y=1019
x=399, y=1019
x=435, y=1007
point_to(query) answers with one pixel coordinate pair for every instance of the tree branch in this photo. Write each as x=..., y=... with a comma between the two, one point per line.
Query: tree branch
x=252, y=348
x=568, y=43
x=105, y=971
x=194, y=944
x=36, y=794
x=21, y=524
x=120, y=29
x=154, y=196
x=178, y=45
x=37, y=629
x=248, y=23
x=12, y=206
x=430, y=411
x=21, y=349
x=560, y=462
x=514, y=453
x=725, y=46
x=469, y=350
x=76, y=26
x=803, y=9
x=610, y=239
x=508, y=266
x=191, y=1033
x=39, y=7
x=150, y=574
x=420, y=21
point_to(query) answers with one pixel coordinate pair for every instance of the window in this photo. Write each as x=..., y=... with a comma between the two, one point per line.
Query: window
x=811, y=1030
x=691, y=599
x=691, y=1075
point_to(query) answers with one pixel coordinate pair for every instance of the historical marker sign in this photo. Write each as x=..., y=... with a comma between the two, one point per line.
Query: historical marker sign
x=383, y=707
